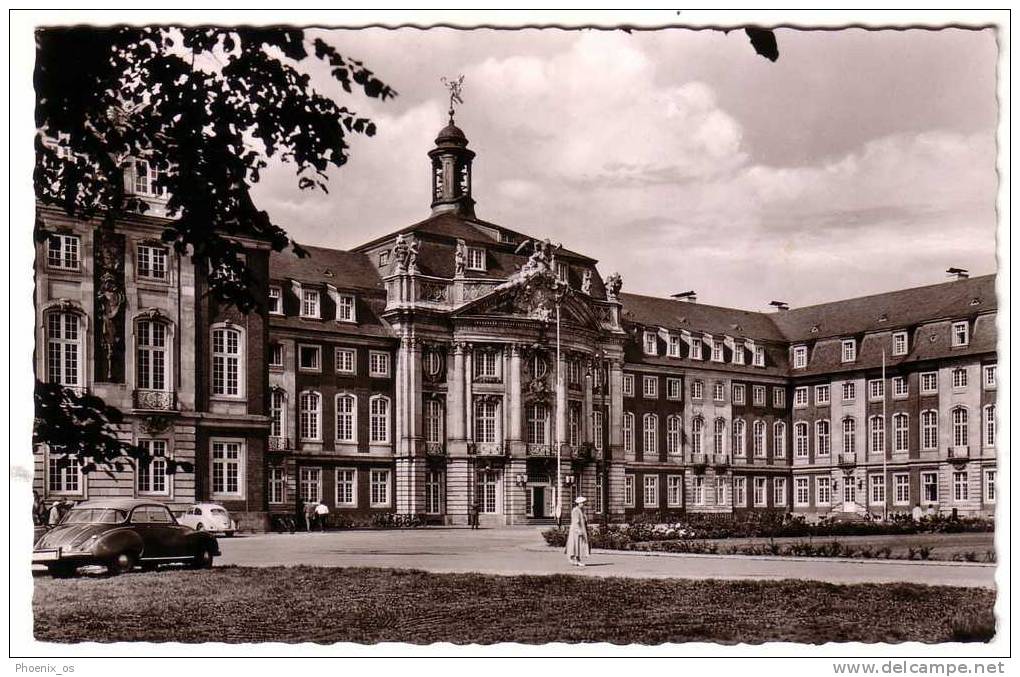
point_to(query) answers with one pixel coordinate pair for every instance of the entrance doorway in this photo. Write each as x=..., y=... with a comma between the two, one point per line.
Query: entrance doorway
x=538, y=501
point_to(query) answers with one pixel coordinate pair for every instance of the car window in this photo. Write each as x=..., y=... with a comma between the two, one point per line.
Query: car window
x=159, y=515
x=94, y=516
x=219, y=512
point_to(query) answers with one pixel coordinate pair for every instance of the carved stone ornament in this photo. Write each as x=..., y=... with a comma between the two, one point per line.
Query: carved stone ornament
x=111, y=300
x=401, y=254
x=586, y=282
x=614, y=283
x=432, y=291
x=460, y=259
x=155, y=425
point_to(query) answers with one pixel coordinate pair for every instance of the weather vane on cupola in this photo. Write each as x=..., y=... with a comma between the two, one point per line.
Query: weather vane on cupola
x=455, y=87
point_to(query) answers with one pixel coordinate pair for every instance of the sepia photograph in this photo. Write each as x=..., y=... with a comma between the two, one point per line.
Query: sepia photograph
x=596, y=333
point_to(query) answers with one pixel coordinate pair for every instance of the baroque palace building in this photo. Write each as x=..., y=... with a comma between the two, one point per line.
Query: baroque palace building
x=417, y=374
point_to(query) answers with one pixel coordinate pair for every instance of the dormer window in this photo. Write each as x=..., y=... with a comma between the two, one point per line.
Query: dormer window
x=717, y=351
x=961, y=334
x=799, y=357
x=759, y=356
x=384, y=258
x=674, y=345
x=899, y=343
x=476, y=258
x=738, y=354
x=275, y=300
x=650, y=343
x=310, y=303
x=849, y=350
x=696, y=349
x=345, y=308
x=506, y=238
x=562, y=272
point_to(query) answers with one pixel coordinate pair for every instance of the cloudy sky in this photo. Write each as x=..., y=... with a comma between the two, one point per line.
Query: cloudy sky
x=860, y=161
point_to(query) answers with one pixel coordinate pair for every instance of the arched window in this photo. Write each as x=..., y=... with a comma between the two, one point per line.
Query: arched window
x=876, y=427
x=628, y=432
x=779, y=439
x=901, y=432
x=310, y=404
x=486, y=411
x=758, y=438
x=537, y=415
x=929, y=429
x=673, y=435
x=719, y=436
x=849, y=435
x=379, y=419
x=227, y=358
x=989, y=428
x=800, y=439
x=434, y=417
x=346, y=418
x=823, y=439
x=152, y=356
x=64, y=343
x=960, y=430
x=277, y=412
x=739, y=437
x=697, y=435
x=651, y=434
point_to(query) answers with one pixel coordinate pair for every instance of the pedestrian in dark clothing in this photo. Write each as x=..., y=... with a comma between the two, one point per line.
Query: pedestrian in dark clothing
x=473, y=510
x=309, y=515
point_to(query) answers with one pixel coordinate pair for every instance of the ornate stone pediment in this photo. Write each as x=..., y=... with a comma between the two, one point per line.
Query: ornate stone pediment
x=533, y=297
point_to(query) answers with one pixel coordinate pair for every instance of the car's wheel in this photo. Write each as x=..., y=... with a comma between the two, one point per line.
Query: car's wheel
x=122, y=563
x=62, y=570
x=199, y=527
x=203, y=558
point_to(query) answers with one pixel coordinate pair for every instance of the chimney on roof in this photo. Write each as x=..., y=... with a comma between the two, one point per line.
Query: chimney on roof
x=780, y=305
x=958, y=273
x=690, y=296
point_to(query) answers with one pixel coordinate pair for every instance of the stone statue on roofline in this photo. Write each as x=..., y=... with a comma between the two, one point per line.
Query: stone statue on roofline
x=614, y=283
x=412, y=256
x=460, y=259
x=401, y=253
x=586, y=282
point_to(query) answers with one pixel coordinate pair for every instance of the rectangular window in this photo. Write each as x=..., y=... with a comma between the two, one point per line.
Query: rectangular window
x=717, y=351
x=900, y=388
x=152, y=262
x=628, y=432
x=346, y=418
x=434, y=492
x=849, y=391
x=650, y=387
x=227, y=468
x=697, y=390
x=674, y=345
x=651, y=343
x=778, y=491
x=961, y=335
x=310, y=358
x=930, y=487
x=628, y=385
x=485, y=421
x=378, y=364
x=698, y=490
x=562, y=272
x=877, y=493
x=380, y=488
x=959, y=378
x=778, y=397
x=989, y=375
x=961, y=490
x=346, y=487
x=876, y=389
x=476, y=258
x=152, y=475
x=695, y=348
x=929, y=382
x=345, y=308
x=799, y=357
x=989, y=486
x=759, y=356
x=673, y=388
x=226, y=354
x=345, y=361
x=738, y=393
x=718, y=392
x=901, y=482
x=740, y=491
x=759, y=396
x=738, y=354
x=821, y=395
x=759, y=492
x=674, y=490
x=379, y=420
x=823, y=440
x=277, y=484
x=800, y=397
x=720, y=490
x=310, y=303
x=628, y=491
x=310, y=485
x=62, y=251
x=151, y=356
x=823, y=490
x=276, y=355
x=146, y=177
x=802, y=493
x=929, y=429
x=849, y=350
x=651, y=493
x=899, y=343
x=275, y=300
x=485, y=364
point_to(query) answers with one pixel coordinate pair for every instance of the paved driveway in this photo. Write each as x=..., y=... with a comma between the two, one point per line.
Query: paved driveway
x=522, y=551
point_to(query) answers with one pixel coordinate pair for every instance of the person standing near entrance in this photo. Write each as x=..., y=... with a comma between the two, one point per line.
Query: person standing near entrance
x=309, y=515
x=577, y=537
x=473, y=510
x=320, y=515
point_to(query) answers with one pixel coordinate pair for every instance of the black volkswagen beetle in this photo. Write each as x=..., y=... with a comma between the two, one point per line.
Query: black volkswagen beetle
x=120, y=534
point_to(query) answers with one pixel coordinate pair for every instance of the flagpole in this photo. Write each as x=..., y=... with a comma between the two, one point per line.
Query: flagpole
x=885, y=447
x=559, y=446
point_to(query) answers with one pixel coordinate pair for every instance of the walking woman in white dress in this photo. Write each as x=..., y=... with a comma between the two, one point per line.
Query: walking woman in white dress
x=577, y=538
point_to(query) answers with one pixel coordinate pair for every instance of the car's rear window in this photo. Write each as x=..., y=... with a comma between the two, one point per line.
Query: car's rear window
x=219, y=511
x=94, y=516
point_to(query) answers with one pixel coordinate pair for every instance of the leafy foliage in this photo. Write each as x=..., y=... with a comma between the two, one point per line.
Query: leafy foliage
x=205, y=105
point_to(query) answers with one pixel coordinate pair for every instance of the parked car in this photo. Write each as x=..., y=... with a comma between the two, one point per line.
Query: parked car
x=209, y=517
x=121, y=534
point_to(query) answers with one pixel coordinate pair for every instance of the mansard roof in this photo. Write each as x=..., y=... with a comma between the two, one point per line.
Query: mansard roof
x=342, y=269
x=652, y=311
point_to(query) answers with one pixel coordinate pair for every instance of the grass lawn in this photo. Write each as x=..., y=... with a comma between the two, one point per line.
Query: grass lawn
x=299, y=604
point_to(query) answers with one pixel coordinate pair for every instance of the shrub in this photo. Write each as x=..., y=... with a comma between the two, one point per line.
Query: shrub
x=975, y=626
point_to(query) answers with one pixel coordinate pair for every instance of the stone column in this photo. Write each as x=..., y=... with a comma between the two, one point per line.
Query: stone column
x=587, y=406
x=413, y=398
x=456, y=433
x=468, y=414
x=516, y=500
x=514, y=383
x=615, y=422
